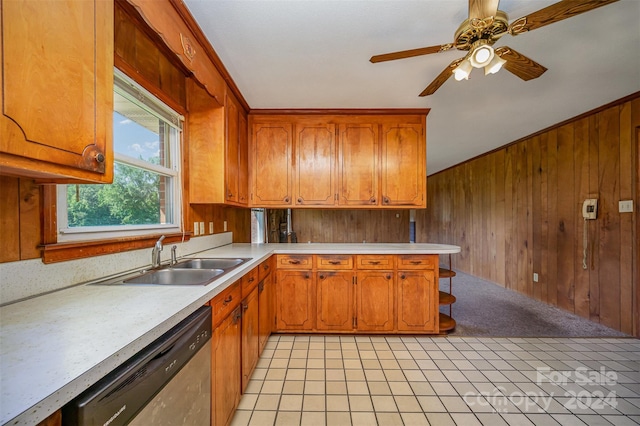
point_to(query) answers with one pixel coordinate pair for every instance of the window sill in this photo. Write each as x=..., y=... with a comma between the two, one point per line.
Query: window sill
x=60, y=252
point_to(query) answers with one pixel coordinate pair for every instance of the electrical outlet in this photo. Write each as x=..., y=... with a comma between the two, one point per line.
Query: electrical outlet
x=625, y=206
x=535, y=277
x=225, y=226
x=211, y=227
x=196, y=229
x=202, y=230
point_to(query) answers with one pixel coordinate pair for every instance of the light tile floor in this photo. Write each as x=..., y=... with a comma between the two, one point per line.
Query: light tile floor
x=369, y=380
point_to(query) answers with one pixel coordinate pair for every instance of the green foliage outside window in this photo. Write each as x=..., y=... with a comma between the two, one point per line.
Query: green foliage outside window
x=132, y=199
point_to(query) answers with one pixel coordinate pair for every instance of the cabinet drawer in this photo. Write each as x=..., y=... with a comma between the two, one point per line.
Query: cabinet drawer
x=329, y=262
x=295, y=261
x=224, y=303
x=417, y=261
x=265, y=268
x=249, y=282
x=374, y=261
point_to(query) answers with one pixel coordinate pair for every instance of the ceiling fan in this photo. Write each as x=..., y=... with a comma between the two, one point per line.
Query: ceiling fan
x=484, y=27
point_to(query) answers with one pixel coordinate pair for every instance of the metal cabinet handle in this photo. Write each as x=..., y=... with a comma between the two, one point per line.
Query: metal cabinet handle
x=228, y=300
x=403, y=276
x=388, y=277
x=416, y=262
x=334, y=262
x=245, y=306
x=386, y=200
x=299, y=200
x=100, y=157
x=252, y=279
x=287, y=199
x=372, y=200
x=323, y=276
x=294, y=261
x=261, y=287
x=374, y=262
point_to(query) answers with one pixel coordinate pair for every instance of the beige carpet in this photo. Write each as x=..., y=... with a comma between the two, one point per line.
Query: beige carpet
x=484, y=308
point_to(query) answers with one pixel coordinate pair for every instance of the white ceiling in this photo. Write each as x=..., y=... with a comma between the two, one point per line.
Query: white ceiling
x=315, y=54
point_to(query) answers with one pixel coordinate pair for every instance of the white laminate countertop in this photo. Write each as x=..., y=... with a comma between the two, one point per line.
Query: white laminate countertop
x=55, y=346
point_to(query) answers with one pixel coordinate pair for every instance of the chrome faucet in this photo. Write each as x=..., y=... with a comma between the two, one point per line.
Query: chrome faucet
x=174, y=258
x=155, y=253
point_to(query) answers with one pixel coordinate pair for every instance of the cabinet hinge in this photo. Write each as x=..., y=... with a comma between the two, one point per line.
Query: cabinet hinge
x=355, y=322
x=354, y=280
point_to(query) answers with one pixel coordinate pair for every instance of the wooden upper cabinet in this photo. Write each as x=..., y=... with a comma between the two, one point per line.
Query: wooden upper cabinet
x=315, y=164
x=243, y=162
x=403, y=171
x=218, y=149
x=344, y=160
x=232, y=154
x=271, y=163
x=237, y=152
x=358, y=165
x=206, y=142
x=57, y=90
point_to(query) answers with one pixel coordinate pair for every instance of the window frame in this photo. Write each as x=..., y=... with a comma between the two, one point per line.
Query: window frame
x=134, y=92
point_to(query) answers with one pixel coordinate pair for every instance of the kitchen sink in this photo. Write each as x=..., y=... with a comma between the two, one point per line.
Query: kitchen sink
x=171, y=276
x=189, y=272
x=204, y=263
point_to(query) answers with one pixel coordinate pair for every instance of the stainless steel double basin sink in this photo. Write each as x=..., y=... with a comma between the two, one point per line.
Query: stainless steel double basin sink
x=190, y=272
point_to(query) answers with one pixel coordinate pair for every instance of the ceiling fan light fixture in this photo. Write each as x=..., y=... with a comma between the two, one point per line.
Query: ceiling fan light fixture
x=463, y=70
x=481, y=56
x=494, y=66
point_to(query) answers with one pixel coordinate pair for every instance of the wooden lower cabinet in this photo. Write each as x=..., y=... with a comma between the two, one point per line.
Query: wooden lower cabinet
x=335, y=300
x=357, y=294
x=375, y=301
x=265, y=311
x=417, y=295
x=295, y=300
x=250, y=335
x=226, y=368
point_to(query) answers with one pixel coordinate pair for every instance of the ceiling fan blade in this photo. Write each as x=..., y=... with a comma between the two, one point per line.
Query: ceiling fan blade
x=410, y=53
x=481, y=9
x=441, y=78
x=554, y=13
x=520, y=65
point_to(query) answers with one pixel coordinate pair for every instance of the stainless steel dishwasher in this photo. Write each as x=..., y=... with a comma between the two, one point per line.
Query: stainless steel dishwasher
x=167, y=383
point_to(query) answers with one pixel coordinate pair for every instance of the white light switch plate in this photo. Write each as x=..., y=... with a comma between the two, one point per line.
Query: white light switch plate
x=202, y=231
x=196, y=229
x=625, y=206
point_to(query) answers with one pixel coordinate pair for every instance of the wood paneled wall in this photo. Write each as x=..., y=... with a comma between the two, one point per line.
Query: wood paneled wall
x=351, y=226
x=517, y=210
x=20, y=219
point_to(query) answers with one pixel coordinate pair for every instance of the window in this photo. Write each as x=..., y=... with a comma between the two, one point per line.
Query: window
x=145, y=196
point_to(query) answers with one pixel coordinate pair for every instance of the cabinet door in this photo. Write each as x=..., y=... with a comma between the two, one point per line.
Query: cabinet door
x=358, y=165
x=403, y=165
x=250, y=333
x=295, y=301
x=57, y=89
x=417, y=301
x=335, y=300
x=271, y=148
x=232, y=155
x=225, y=380
x=375, y=301
x=243, y=165
x=265, y=310
x=315, y=171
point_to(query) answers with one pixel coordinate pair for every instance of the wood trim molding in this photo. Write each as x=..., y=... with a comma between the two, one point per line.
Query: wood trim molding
x=79, y=250
x=191, y=23
x=543, y=131
x=343, y=111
